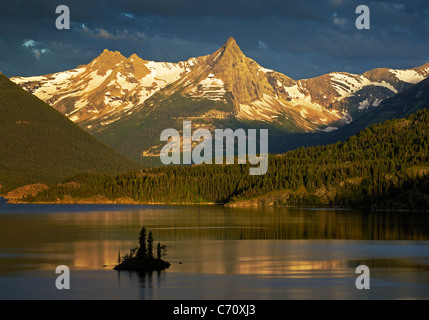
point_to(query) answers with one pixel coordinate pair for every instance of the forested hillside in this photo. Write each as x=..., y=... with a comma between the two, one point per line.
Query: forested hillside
x=385, y=166
x=40, y=145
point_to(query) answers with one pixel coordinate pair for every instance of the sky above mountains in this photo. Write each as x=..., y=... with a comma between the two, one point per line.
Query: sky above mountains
x=301, y=39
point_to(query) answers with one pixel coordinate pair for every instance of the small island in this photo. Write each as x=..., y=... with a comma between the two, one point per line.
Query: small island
x=142, y=258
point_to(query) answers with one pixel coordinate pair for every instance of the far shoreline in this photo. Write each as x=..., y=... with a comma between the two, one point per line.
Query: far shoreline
x=113, y=202
x=225, y=205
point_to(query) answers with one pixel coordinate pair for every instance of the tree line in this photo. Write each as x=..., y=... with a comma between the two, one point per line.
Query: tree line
x=383, y=166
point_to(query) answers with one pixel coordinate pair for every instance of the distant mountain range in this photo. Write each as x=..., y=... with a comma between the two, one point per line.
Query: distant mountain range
x=128, y=102
x=39, y=145
x=399, y=106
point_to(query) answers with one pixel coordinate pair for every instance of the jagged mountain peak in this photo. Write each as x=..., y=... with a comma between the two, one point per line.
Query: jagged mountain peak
x=107, y=56
x=242, y=77
x=230, y=41
x=228, y=54
x=107, y=52
x=226, y=70
x=231, y=46
x=113, y=62
x=106, y=61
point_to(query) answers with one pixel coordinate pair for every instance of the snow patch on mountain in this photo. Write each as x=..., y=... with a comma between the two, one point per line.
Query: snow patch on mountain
x=210, y=88
x=347, y=84
x=364, y=104
x=410, y=76
x=265, y=70
x=165, y=72
x=329, y=129
x=377, y=102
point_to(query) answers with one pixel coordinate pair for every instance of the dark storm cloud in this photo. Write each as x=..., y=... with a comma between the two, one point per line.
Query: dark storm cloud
x=299, y=38
x=239, y=9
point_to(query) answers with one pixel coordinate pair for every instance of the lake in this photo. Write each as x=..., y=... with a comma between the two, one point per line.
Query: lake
x=215, y=252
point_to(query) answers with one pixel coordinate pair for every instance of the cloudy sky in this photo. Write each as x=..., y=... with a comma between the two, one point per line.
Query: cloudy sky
x=301, y=39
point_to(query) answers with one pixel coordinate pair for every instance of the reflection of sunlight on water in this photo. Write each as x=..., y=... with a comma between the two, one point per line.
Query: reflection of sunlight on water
x=223, y=247
x=291, y=259
x=266, y=266
x=96, y=254
x=224, y=252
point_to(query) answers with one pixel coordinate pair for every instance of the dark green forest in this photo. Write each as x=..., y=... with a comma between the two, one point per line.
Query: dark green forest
x=384, y=166
x=39, y=145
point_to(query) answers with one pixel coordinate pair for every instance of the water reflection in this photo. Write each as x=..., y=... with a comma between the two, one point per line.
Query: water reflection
x=206, y=239
x=225, y=249
x=147, y=281
x=208, y=222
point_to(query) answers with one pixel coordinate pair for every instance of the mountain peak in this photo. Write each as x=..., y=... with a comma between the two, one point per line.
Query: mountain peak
x=238, y=73
x=111, y=52
x=107, y=60
x=230, y=42
x=231, y=46
x=108, y=53
x=227, y=54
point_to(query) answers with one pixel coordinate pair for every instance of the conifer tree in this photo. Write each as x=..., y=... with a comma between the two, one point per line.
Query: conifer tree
x=158, y=251
x=142, y=251
x=150, y=245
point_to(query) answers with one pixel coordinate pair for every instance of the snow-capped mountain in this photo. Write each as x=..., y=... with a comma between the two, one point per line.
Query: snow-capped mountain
x=116, y=98
x=261, y=94
x=103, y=91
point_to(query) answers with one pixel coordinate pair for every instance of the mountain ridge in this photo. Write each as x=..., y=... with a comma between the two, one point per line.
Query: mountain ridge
x=117, y=98
x=399, y=106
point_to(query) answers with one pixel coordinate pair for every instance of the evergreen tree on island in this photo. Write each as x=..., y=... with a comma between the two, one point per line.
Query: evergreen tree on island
x=142, y=258
x=142, y=251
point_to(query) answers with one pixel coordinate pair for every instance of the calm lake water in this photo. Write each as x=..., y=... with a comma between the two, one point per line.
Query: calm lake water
x=215, y=252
